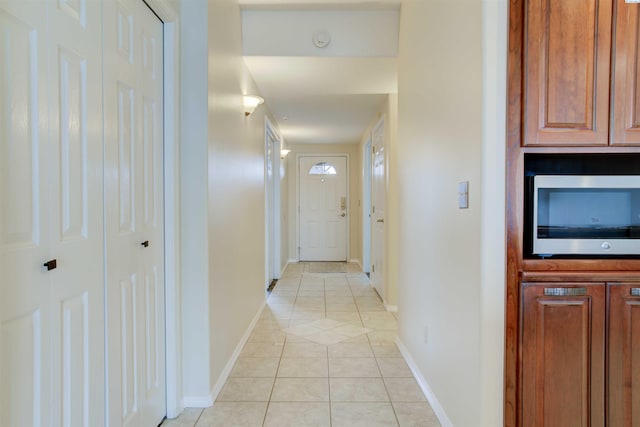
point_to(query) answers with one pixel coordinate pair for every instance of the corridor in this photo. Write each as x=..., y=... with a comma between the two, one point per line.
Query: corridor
x=322, y=354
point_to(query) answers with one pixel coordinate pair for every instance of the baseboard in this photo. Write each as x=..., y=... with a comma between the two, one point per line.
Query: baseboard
x=198, y=401
x=422, y=382
x=292, y=261
x=392, y=308
x=286, y=264
x=217, y=387
x=356, y=261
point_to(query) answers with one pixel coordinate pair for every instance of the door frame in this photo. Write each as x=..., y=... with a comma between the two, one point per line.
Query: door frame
x=170, y=18
x=366, y=203
x=297, y=195
x=272, y=204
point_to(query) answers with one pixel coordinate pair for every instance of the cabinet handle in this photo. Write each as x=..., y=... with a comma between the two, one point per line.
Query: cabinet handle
x=635, y=292
x=564, y=292
x=145, y=243
x=51, y=264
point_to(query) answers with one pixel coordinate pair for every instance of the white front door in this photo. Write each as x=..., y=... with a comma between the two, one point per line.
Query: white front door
x=134, y=214
x=378, y=210
x=51, y=318
x=323, y=208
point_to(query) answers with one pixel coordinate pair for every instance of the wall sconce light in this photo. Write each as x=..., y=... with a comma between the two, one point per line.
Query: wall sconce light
x=251, y=102
x=284, y=152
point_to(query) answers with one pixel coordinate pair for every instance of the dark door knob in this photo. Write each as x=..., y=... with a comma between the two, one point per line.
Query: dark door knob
x=51, y=265
x=145, y=243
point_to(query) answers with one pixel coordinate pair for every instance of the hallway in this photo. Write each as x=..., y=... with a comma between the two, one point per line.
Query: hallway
x=322, y=354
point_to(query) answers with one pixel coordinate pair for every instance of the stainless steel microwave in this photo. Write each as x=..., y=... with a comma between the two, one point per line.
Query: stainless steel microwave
x=586, y=215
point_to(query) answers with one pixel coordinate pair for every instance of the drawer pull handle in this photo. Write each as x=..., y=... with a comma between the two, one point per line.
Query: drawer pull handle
x=145, y=244
x=635, y=292
x=564, y=292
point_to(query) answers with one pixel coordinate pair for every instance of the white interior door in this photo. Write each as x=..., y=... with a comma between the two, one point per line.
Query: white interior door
x=270, y=206
x=25, y=309
x=378, y=196
x=323, y=208
x=366, y=206
x=52, y=319
x=134, y=214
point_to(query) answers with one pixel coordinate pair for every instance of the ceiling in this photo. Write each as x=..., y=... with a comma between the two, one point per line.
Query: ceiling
x=326, y=94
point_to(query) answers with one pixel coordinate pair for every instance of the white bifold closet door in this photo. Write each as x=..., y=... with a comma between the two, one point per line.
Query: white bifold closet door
x=51, y=168
x=133, y=100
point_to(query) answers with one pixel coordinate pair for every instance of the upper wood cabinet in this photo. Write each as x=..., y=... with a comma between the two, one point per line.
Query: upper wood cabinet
x=566, y=72
x=625, y=102
x=581, y=73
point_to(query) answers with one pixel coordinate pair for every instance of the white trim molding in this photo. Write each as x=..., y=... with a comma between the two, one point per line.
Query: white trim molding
x=392, y=308
x=422, y=382
x=170, y=16
x=224, y=376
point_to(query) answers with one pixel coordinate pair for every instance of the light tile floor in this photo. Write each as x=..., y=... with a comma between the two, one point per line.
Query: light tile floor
x=322, y=354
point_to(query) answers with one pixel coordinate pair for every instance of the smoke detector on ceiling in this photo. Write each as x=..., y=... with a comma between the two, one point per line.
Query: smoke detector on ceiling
x=321, y=38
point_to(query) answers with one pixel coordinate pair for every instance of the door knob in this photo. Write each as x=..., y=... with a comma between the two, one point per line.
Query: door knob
x=51, y=265
x=343, y=214
x=145, y=243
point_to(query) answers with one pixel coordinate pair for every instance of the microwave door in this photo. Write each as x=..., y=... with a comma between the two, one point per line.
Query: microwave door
x=586, y=215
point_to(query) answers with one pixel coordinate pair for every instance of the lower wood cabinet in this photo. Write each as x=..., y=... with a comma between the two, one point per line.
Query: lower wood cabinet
x=623, y=374
x=580, y=354
x=563, y=354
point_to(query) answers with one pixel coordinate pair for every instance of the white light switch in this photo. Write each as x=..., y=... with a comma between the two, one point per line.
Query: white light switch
x=463, y=195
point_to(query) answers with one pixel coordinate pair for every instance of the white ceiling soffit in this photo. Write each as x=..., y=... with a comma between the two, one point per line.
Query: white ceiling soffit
x=353, y=33
x=319, y=4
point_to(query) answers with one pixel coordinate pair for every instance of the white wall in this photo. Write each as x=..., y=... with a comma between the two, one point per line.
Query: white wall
x=193, y=189
x=223, y=205
x=451, y=261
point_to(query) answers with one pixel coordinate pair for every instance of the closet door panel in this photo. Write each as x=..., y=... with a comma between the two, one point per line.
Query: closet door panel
x=25, y=312
x=76, y=206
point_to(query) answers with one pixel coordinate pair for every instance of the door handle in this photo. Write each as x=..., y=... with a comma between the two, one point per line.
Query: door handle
x=380, y=220
x=51, y=264
x=343, y=214
x=145, y=243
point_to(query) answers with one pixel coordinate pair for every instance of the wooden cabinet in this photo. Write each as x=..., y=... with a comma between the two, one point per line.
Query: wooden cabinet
x=623, y=355
x=625, y=102
x=581, y=73
x=580, y=345
x=566, y=72
x=563, y=354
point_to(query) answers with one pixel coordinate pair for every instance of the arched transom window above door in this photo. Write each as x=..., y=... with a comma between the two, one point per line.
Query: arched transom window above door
x=322, y=168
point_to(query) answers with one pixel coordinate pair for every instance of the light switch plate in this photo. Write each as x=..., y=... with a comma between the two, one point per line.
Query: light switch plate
x=463, y=195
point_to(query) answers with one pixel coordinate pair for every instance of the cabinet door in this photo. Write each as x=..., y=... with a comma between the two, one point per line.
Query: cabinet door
x=566, y=72
x=625, y=114
x=562, y=333
x=624, y=355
